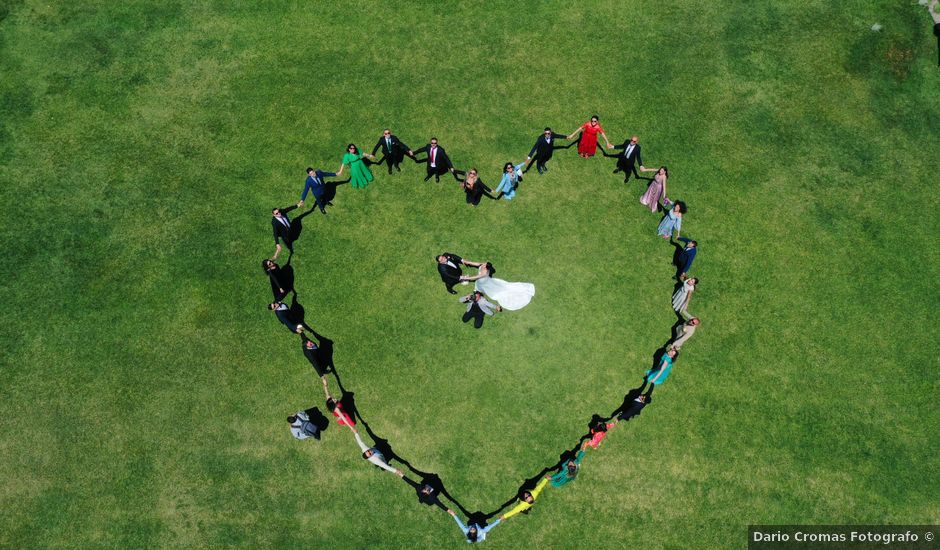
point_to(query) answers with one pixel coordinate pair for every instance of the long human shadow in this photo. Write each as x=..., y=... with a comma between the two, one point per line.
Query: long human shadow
x=297, y=312
x=297, y=224
x=383, y=445
x=677, y=256
x=283, y=278
x=329, y=190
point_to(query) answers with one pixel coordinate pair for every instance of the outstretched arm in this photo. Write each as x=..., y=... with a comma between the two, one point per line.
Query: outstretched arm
x=609, y=144
x=576, y=132
x=460, y=523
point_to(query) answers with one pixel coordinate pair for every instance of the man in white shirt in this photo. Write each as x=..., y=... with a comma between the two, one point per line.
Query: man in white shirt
x=301, y=427
x=375, y=457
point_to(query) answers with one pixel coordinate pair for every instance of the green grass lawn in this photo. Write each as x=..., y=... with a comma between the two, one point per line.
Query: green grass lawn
x=145, y=385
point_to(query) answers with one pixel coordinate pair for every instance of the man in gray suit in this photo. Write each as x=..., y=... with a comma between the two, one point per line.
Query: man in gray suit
x=477, y=306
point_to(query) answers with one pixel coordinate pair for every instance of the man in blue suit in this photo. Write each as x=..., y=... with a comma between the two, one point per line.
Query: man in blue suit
x=317, y=185
x=684, y=256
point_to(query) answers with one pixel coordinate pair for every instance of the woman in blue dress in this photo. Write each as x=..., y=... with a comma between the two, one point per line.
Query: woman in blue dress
x=512, y=175
x=672, y=221
x=473, y=532
x=658, y=375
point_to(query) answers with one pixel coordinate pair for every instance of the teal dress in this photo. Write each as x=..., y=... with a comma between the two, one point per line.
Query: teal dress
x=359, y=173
x=658, y=375
x=562, y=477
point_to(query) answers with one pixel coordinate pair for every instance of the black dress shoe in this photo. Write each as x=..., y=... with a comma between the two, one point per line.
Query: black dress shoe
x=617, y=171
x=397, y=167
x=452, y=291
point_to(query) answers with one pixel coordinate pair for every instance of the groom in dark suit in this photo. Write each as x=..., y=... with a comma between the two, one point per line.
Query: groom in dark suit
x=627, y=161
x=542, y=150
x=448, y=265
x=393, y=150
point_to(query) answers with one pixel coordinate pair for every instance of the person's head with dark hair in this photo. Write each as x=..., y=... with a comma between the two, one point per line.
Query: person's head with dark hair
x=694, y=321
x=508, y=167
x=433, y=141
x=694, y=281
x=310, y=344
x=273, y=305
x=276, y=212
x=330, y=404
x=490, y=269
x=663, y=171
x=310, y=171
x=267, y=264
x=672, y=353
x=387, y=132
x=367, y=454
x=476, y=295
x=352, y=148
x=693, y=244
x=472, y=533
x=291, y=419
x=441, y=259
x=548, y=131
x=681, y=207
x=572, y=468
x=595, y=119
x=526, y=496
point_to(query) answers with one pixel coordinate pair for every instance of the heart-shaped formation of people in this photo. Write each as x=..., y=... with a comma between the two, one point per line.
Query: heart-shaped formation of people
x=319, y=350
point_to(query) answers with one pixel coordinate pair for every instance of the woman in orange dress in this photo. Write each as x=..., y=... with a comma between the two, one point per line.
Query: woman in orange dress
x=587, y=145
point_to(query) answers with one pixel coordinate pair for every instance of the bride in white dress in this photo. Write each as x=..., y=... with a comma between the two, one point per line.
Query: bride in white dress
x=511, y=296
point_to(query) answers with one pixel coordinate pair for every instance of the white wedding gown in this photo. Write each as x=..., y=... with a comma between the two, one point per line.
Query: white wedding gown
x=509, y=295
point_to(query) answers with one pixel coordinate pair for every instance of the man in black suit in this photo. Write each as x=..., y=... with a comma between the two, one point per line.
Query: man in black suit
x=427, y=491
x=634, y=402
x=284, y=315
x=281, y=225
x=448, y=265
x=393, y=150
x=312, y=352
x=542, y=150
x=627, y=161
x=437, y=160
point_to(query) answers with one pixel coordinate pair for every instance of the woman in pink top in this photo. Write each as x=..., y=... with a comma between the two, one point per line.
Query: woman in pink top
x=342, y=418
x=598, y=433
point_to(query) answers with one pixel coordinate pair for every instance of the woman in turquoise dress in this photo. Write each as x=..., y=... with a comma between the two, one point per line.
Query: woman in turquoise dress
x=672, y=221
x=570, y=471
x=512, y=175
x=359, y=173
x=658, y=375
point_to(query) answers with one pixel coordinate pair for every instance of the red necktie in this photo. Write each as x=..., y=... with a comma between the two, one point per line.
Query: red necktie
x=434, y=155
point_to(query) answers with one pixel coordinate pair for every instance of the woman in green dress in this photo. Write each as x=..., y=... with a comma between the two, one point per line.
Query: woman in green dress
x=570, y=470
x=359, y=173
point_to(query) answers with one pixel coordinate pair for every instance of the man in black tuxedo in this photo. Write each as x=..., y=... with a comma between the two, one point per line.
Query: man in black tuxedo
x=437, y=160
x=281, y=225
x=542, y=150
x=627, y=161
x=448, y=265
x=393, y=150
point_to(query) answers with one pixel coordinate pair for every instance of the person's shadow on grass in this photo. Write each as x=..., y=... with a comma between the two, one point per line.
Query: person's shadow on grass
x=329, y=191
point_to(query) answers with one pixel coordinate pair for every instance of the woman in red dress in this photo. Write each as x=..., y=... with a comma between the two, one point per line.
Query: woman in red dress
x=587, y=146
